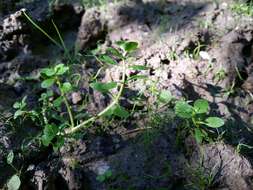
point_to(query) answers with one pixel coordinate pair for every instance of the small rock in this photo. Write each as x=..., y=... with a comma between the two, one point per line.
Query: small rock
x=76, y=97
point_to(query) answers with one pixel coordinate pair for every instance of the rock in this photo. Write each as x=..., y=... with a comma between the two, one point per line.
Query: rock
x=231, y=56
x=76, y=97
x=11, y=35
x=248, y=84
x=226, y=165
x=92, y=29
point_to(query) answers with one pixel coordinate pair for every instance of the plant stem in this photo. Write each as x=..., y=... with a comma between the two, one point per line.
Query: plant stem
x=113, y=103
x=71, y=118
x=41, y=30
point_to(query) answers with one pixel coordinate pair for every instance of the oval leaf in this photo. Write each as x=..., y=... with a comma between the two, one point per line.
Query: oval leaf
x=103, y=87
x=14, y=183
x=47, y=83
x=10, y=157
x=114, y=52
x=183, y=109
x=130, y=46
x=107, y=59
x=120, y=112
x=49, y=132
x=66, y=87
x=60, y=69
x=198, y=135
x=165, y=96
x=214, y=122
x=201, y=106
x=48, y=72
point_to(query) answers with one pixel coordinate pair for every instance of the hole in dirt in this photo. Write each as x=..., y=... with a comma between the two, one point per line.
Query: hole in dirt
x=247, y=50
x=152, y=72
x=165, y=61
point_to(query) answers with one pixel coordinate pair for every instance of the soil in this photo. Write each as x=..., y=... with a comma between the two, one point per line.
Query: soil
x=138, y=159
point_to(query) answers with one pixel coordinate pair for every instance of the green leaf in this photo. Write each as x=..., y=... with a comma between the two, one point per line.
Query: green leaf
x=66, y=87
x=59, y=143
x=60, y=69
x=214, y=122
x=106, y=59
x=48, y=72
x=136, y=77
x=127, y=46
x=198, y=135
x=201, y=106
x=120, y=112
x=114, y=52
x=139, y=67
x=17, y=105
x=10, y=157
x=47, y=83
x=165, y=96
x=103, y=87
x=49, y=132
x=58, y=101
x=18, y=113
x=183, y=109
x=14, y=183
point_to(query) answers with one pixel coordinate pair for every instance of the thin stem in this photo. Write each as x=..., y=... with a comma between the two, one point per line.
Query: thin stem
x=71, y=118
x=61, y=40
x=41, y=30
x=114, y=102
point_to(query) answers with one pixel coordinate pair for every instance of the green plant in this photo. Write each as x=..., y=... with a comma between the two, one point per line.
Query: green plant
x=243, y=8
x=50, y=114
x=220, y=75
x=57, y=86
x=14, y=182
x=201, y=179
x=197, y=115
x=105, y=176
x=240, y=146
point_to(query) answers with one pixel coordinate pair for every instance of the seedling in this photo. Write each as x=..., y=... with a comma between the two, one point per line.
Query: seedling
x=105, y=176
x=243, y=8
x=220, y=75
x=14, y=182
x=57, y=87
x=240, y=146
x=197, y=114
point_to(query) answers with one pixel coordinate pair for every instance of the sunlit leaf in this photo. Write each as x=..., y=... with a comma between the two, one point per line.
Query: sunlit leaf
x=14, y=183
x=47, y=83
x=214, y=122
x=10, y=157
x=60, y=69
x=201, y=106
x=66, y=87
x=183, y=109
x=165, y=96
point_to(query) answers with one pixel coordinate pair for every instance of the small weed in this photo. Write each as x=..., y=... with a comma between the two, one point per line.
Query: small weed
x=241, y=146
x=105, y=176
x=14, y=182
x=220, y=75
x=243, y=8
x=197, y=115
x=201, y=179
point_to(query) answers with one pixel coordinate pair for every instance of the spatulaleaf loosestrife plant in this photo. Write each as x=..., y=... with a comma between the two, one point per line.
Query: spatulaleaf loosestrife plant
x=56, y=126
x=198, y=116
